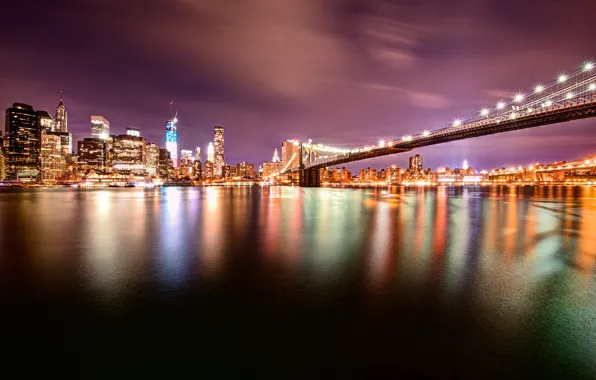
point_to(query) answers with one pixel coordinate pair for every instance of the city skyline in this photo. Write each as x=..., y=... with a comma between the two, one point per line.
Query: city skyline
x=419, y=77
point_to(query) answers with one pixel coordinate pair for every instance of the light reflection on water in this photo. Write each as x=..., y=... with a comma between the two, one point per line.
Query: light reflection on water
x=519, y=260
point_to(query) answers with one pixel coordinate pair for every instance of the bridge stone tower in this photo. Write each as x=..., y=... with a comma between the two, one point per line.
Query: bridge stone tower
x=309, y=177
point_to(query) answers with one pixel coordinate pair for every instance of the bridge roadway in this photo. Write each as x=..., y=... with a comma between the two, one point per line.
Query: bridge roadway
x=567, y=110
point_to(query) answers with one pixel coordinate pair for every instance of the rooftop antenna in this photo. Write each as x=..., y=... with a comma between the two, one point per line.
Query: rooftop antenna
x=174, y=115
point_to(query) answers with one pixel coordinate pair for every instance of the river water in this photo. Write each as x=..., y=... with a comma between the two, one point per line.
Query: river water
x=447, y=283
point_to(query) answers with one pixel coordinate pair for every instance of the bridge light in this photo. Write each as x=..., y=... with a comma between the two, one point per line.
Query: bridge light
x=390, y=143
x=513, y=116
x=549, y=103
x=426, y=133
x=518, y=97
x=456, y=122
x=500, y=105
x=381, y=143
x=588, y=66
x=569, y=95
x=484, y=112
x=530, y=110
x=562, y=78
x=592, y=87
x=539, y=88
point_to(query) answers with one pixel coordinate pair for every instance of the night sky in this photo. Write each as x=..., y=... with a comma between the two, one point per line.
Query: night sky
x=340, y=72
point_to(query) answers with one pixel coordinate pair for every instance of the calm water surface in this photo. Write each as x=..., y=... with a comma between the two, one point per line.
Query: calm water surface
x=305, y=283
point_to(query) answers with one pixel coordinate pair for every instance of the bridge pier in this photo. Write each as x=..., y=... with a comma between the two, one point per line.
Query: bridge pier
x=310, y=178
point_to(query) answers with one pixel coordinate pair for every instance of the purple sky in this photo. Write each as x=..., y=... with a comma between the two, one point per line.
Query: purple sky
x=342, y=72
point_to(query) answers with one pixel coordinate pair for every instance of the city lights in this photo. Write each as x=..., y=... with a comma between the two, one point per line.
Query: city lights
x=500, y=105
x=426, y=133
x=484, y=112
x=381, y=143
x=456, y=123
x=539, y=89
x=562, y=78
x=518, y=97
x=588, y=66
x=569, y=95
x=592, y=87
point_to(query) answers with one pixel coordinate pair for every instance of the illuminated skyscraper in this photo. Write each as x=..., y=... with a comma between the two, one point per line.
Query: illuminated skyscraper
x=152, y=165
x=100, y=127
x=61, y=117
x=210, y=152
x=275, y=156
x=465, y=165
x=416, y=163
x=172, y=140
x=23, y=143
x=218, y=143
x=46, y=122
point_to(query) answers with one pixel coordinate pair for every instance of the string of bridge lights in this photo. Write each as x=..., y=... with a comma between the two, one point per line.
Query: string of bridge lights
x=542, y=100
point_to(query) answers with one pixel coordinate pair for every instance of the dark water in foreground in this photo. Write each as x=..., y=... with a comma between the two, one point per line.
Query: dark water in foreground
x=305, y=283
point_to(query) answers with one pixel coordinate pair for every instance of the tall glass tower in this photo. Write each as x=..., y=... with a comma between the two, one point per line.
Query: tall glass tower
x=172, y=140
x=218, y=144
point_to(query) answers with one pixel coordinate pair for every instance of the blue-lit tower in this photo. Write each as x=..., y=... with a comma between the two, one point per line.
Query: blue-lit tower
x=172, y=139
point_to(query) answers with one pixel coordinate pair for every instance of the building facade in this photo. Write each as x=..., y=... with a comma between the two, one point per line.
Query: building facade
x=128, y=154
x=52, y=166
x=208, y=170
x=271, y=168
x=218, y=150
x=22, y=145
x=61, y=119
x=92, y=154
x=415, y=163
x=172, y=140
x=245, y=170
x=133, y=132
x=165, y=163
x=100, y=127
x=152, y=159
x=186, y=163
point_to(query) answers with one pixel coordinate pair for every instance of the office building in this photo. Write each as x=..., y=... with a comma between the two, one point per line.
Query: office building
x=152, y=159
x=100, y=127
x=61, y=119
x=128, y=154
x=92, y=154
x=245, y=170
x=271, y=168
x=415, y=163
x=52, y=167
x=368, y=174
x=23, y=143
x=198, y=169
x=218, y=145
x=226, y=171
x=133, y=132
x=2, y=161
x=289, y=152
x=165, y=163
x=210, y=152
x=208, y=170
x=186, y=163
x=46, y=122
x=172, y=140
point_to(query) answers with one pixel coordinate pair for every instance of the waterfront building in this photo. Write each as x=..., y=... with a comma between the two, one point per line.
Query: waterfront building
x=152, y=159
x=92, y=154
x=61, y=119
x=198, y=155
x=218, y=150
x=51, y=161
x=22, y=144
x=226, y=171
x=172, y=140
x=2, y=162
x=100, y=127
x=271, y=168
x=128, y=154
x=368, y=174
x=198, y=169
x=245, y=170
x=289, y=152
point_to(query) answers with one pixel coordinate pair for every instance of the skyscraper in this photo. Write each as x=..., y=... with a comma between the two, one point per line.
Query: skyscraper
x=92, y=154
x=416, y=163
x=23, y=145
x=210, y=152
x=46, y=122
x=218, y=143
x=275, y=157
x=133, y=132
x=172, y=139
x=61, y=117
x=152, y=159
x=100, y=127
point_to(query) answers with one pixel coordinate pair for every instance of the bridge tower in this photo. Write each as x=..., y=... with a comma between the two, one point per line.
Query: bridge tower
x=309, y=177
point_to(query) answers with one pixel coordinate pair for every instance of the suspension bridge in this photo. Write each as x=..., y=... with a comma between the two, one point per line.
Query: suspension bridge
x=569, y=97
